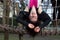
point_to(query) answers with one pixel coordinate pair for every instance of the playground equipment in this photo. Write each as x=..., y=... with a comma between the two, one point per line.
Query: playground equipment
x=6, y=28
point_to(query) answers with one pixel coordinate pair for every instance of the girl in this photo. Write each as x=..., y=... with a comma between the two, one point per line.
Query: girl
x=31, y=18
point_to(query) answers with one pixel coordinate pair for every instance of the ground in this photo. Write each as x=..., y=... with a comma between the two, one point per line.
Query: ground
x=27, y=37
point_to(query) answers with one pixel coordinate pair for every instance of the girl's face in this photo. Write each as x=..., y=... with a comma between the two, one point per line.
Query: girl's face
x=33, y=17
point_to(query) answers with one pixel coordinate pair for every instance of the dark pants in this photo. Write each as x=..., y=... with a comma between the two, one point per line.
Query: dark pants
x=58, y=4
x=55, y=9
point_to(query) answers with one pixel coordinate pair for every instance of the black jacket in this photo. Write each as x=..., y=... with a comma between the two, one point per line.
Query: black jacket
x=23, y=18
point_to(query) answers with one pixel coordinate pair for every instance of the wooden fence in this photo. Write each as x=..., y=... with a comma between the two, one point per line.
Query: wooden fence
x=8, y=29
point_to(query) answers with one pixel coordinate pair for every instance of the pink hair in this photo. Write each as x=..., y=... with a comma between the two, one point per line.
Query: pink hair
x=33, y=2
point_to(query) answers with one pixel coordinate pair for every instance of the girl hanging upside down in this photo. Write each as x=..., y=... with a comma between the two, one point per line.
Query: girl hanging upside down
x=31, y=18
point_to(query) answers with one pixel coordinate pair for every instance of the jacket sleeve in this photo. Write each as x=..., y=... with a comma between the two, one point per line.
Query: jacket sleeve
x=45, y=19
x=20, y=19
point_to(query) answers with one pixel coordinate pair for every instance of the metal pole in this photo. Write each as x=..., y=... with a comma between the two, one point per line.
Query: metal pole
x=56, y=13
x=56, y=16
x=13, y=1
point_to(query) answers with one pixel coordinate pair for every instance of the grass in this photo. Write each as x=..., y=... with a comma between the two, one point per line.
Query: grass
x=26, y=37
x=11, y=36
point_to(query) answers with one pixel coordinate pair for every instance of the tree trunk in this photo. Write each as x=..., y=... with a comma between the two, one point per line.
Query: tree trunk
x=6, y=12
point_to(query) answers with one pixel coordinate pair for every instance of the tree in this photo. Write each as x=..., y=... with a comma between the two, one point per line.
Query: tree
x=6, y=12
